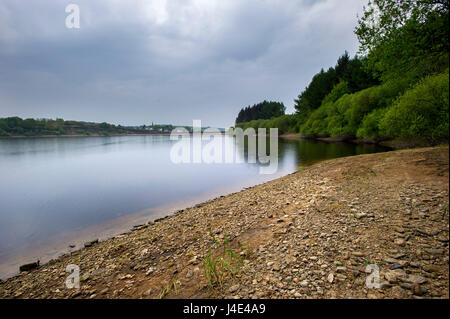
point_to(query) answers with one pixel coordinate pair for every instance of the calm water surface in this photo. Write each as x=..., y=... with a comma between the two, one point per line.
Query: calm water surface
x=60, y=191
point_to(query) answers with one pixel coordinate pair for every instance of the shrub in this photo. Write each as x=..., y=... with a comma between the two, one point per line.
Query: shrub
x=344, y=116
x=370, y=125
x=317, y=123
x=365, y=101
x=421, y=113
x=284, y=123
x=338, y=91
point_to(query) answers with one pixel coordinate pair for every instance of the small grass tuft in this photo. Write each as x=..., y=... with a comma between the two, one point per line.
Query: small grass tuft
x=172, y=284
x=217, y=268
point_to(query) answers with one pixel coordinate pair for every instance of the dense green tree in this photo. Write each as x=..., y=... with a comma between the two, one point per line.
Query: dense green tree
x=264, y=110
x=408, y=38
x=29, y=124
x=341, y=66
x=347, y=69
x=421, y=113
x=356, y=75
x=311, y=98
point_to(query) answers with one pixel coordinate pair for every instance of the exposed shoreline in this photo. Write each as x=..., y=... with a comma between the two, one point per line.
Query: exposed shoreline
x=60, y=244
x=310, y=235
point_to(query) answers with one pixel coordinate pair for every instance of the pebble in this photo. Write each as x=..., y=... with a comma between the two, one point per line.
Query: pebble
x=233, y=289
x=417, y=289
x=435, y=251
x=304, y=283
x=330, y=278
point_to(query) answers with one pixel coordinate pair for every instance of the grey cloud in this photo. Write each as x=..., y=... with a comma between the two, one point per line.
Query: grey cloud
x=133, y=62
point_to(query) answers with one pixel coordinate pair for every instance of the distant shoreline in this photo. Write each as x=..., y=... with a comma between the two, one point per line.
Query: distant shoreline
x=91, y=135
x=80, y=135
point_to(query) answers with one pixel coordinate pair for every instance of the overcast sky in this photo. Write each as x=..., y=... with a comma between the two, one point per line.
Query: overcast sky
x=165, y=61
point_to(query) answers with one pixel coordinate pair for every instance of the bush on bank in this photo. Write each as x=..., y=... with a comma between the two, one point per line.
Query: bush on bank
x=421, y=113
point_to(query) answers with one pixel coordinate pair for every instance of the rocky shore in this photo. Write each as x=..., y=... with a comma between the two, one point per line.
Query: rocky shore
x=311, y=234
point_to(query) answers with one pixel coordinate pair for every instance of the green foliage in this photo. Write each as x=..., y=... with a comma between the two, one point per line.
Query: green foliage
x=285, y=124
x=338, y=91
x=367, y=100
x=311, y=98
x=370, y=125
x=398, y=88
x=317, y=123
x=12, y=126
x=344, y=116
x=356, y=75
x=217, y=268
x=263, y=110
x=172, y=285
x=3, y=132
x=405, y=37
x=346, y=70
x=421, y=113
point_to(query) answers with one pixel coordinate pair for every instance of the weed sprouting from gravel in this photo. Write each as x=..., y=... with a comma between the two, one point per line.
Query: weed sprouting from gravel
x=171, y=285
x=217, y=268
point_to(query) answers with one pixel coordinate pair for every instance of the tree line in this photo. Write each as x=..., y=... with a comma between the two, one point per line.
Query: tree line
x=16, y=126
x=263, y=110
x=348, y=70
x=396, y=88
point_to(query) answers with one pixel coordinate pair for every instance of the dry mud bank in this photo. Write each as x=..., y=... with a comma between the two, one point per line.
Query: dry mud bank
x=307, y=235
